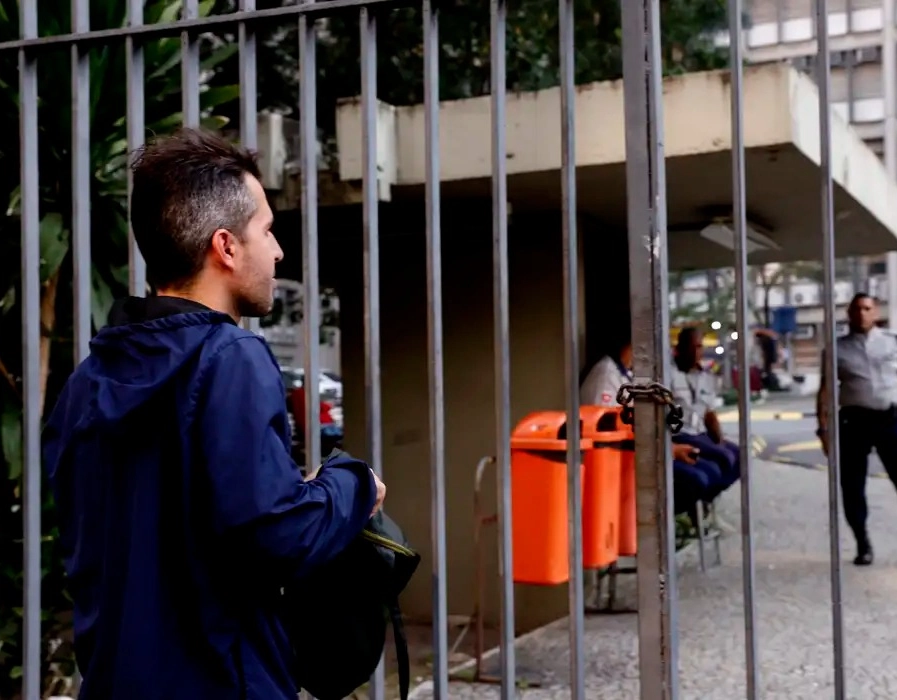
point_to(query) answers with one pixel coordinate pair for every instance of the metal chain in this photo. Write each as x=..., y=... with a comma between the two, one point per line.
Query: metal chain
x=656, y=392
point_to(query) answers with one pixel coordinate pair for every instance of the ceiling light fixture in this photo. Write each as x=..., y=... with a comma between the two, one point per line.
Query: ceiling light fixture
x=722, y=232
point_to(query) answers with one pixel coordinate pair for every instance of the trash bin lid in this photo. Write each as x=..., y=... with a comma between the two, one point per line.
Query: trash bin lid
x=602, y=424
x=544, y=430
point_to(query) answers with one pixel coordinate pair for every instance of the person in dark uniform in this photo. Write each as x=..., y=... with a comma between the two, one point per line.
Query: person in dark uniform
x=867, y=378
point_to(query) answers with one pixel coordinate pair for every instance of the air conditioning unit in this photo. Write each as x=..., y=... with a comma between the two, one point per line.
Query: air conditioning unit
x=804, y=331
x=869, y=54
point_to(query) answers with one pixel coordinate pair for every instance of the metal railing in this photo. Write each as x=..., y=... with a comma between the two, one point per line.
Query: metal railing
x=645, y=180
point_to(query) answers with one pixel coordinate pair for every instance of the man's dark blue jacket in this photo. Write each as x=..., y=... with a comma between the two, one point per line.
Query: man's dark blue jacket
x=181, y=511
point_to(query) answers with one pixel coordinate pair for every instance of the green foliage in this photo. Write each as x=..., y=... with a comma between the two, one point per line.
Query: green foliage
x=532, y=50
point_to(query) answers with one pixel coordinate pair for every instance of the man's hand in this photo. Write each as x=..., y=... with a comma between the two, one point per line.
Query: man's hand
x=381, y=493
x=381, y=489
x=823, y=439
x=685, y=453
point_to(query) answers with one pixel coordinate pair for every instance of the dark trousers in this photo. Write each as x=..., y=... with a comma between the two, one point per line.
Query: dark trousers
x=724, y=455
x=701, y=481
x=861, y=430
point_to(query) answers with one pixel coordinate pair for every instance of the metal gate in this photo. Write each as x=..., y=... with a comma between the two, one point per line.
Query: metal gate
x=657, y=592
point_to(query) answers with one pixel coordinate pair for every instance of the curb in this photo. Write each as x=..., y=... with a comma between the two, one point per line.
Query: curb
x=813, y=467
x=763, y=415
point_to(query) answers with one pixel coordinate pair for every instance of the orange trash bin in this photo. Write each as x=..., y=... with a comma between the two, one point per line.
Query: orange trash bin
x=602, y=500
x=539, y=520
x=628, y=536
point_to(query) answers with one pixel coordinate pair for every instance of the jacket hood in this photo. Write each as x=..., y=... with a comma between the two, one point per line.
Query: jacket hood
x=147, y=342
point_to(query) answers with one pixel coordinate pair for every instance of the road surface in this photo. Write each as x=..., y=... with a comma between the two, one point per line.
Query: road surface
x=785, y=432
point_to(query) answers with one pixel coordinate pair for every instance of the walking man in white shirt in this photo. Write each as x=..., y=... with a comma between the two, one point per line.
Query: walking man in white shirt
x=867, y=377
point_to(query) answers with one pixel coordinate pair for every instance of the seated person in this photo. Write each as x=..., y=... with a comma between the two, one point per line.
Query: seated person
x=695, y=390
x=694, y=478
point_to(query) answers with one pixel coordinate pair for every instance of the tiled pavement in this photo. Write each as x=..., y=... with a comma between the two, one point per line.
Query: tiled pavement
x=794, y=618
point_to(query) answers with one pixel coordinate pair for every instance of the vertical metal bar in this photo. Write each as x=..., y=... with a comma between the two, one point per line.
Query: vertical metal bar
x=434, y=348
x=780, y=21
x=576, y=593
x=31, y=415
x=308, y=147
x=248, y=100
x=646, y=194
x=739, y=218
x=81, y=182
x=824, y=69
x=851, y=84
x=190, y=68
x=501, y=341
x=889, y=92
x=371, y=234
x=136, y=135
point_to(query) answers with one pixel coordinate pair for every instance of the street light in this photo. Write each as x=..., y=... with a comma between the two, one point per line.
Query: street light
x=716, y=325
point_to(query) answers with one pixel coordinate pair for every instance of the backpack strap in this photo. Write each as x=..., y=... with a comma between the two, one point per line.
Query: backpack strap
x=403, y=661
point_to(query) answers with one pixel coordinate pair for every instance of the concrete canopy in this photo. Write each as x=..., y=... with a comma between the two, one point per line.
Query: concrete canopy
x=781, y=136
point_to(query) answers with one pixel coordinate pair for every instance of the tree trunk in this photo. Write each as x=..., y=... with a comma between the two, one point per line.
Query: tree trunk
x=48, y=326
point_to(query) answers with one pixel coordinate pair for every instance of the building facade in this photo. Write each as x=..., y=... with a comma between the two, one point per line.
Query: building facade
x=863, y=84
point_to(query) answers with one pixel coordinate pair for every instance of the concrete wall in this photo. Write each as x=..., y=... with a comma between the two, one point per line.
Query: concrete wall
x=537, y=371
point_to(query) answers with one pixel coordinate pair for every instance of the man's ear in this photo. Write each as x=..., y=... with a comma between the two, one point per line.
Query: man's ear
x=223, y=248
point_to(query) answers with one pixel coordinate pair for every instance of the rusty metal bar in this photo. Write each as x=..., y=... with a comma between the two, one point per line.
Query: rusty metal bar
x=648, y=270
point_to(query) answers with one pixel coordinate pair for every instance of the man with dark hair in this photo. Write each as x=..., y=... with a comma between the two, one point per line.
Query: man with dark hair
x=695, y=390
x=867, y=376
x=182, y=515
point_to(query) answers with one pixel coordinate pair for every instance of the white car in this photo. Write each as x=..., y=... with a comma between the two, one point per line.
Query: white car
x=330, y=384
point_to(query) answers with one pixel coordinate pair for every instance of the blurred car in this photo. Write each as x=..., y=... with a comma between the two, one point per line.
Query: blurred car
x=330, y=390
x=330, y=385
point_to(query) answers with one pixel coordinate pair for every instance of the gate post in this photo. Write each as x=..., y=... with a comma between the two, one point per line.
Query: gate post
x=646, y=194
x=31, y=332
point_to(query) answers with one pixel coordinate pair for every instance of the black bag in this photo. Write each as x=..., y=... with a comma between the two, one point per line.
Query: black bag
x=337, y=615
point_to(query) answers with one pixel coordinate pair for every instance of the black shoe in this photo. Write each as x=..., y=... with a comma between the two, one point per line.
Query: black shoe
x=864, y=557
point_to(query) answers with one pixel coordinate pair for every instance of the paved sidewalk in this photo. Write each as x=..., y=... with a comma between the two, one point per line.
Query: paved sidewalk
x=794, y=619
